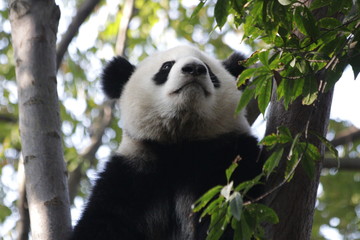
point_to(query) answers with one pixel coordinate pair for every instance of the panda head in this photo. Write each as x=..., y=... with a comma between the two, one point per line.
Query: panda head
x=176, y=95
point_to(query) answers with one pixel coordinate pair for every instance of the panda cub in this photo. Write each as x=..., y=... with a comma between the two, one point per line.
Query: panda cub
x=180, y=134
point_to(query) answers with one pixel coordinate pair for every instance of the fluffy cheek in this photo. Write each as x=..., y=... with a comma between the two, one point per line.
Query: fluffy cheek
x=137, y=103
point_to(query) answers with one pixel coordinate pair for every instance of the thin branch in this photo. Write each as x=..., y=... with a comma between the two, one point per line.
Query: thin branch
x=123, y=27
x=349, y=135
x=8, y=118
x=352, y=164
x=105, y=117
x=82, y=13
x=88, y=155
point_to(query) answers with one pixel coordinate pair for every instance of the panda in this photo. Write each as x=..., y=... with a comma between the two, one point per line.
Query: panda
x=180, y=134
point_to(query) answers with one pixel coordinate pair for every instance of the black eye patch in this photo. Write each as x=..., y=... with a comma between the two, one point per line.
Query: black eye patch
x=213, y=78
x=162, y=75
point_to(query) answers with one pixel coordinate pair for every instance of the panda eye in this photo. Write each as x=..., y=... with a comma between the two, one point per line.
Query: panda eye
x=167, y=66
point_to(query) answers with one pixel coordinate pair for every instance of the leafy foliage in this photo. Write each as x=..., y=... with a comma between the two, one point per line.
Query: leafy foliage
x=298, y=45
x=304, y=56
x=226, y=207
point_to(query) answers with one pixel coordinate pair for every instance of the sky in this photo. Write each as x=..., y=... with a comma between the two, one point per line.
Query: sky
x=346, y=98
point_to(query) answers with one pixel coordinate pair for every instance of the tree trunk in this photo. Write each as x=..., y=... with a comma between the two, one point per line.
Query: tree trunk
x=34, y=27
x=294, y=202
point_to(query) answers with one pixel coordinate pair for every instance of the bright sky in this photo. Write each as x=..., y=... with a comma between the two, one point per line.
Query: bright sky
x=346, y=100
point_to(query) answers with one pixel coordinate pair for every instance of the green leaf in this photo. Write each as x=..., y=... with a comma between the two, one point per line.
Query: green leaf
x=269, y=140
x=264, y=57
x=236, y=205
x=247, y=185
x=302, y=66
x=333, y=75
x=328, y=23
x=4, y=213
x=310, y=91
x=309, y=167
x=310, y=24
x=197, y=9
x=213, y=207
x=273, y=139
x=273, y=161
x=218, y=223
x=245, y=76
x=305, y=21
x=246, y=96
x=311, y=154
x=230, y=171
x=252, y=59
x=263, y=213
x=263, y=92
x=204, y=199
x=328, y=145
x=221, y=12
x=285, y=132
x=289, y=89
x=245, y=229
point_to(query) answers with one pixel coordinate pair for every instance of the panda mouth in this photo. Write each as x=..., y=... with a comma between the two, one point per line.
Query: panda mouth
x=191, y=84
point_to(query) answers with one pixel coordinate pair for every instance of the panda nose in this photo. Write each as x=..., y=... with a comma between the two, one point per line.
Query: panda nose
x=194, y=69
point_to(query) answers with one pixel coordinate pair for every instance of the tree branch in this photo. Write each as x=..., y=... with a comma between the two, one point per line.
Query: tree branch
x=106, y=116
x=351, y=134
x=352, y=164
x=82, y=13
x=88, y=155
x=8, y=118
x=123, y=27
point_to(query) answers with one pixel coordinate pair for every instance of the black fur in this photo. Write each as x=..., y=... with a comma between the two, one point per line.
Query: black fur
x=213, y=78
x=232, y=64
x=143, y=199
x=162, y=75
x=116, y=73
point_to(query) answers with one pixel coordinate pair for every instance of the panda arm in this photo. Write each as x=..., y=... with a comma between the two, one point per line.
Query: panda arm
x=115, y=207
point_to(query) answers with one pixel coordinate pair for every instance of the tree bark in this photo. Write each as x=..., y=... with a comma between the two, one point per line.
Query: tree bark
x=294, y=202
x=34, y=27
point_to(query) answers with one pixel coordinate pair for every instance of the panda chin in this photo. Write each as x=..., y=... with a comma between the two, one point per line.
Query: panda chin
x=192, y=89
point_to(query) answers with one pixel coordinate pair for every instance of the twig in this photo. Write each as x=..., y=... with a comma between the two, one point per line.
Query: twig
x=82, y=13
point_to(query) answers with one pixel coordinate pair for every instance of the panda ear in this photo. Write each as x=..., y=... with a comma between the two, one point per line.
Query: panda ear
x=116, y=73
x=232, y=64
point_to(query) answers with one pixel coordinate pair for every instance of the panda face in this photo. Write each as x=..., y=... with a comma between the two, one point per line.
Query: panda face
x=180, y=94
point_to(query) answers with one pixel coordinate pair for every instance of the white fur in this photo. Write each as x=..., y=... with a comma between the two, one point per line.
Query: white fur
x=198, y=111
